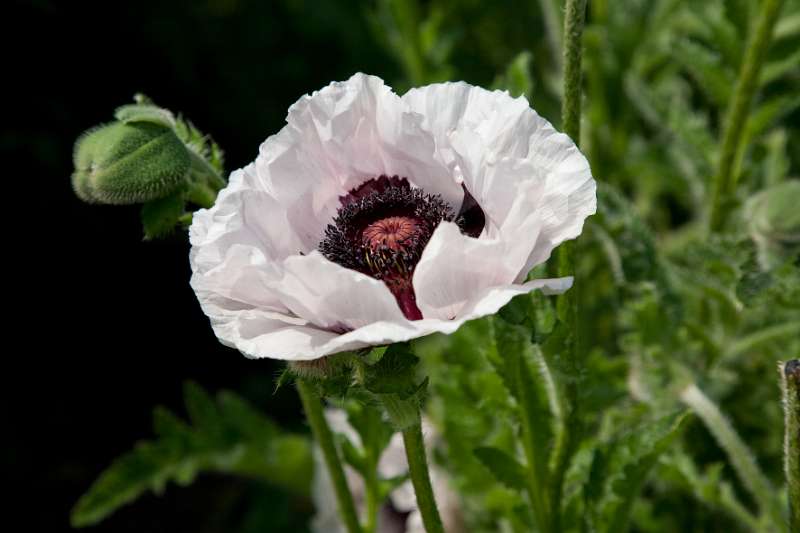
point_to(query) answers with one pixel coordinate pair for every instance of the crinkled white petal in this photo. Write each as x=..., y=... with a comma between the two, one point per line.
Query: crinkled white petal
x=331, y=296
x=339, y=137
x=279, y=337
x=268, y=292
x=475, y=128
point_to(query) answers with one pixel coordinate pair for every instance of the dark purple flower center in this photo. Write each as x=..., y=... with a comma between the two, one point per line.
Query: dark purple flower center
x=382, y=227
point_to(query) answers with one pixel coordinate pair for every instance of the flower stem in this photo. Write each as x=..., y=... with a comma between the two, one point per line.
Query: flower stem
x=738, y=109
x=790, y=381
x=567, y=304
x=420, y=478
x=574, y=16
x=738, y=453
x=322, y=434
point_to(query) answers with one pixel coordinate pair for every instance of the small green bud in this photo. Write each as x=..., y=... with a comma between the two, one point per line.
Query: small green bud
x=130, y=162
x=774, y=221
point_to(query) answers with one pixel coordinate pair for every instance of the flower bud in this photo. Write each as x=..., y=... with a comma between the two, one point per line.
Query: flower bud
x=132, y=161
x=774, y=221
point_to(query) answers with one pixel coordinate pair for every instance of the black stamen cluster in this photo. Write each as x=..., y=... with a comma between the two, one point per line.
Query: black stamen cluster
x=373, y=201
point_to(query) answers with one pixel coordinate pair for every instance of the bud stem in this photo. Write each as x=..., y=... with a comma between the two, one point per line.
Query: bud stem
x=790, y=384
x=312, y=405
x=420, y=477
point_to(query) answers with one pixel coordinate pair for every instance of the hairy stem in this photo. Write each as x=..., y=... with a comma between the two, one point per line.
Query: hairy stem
x=574, y=14
x=568, y=433
x=420, y=478
x=312, y=405
x=738, y=109
x=738, y=453
x=790, y=384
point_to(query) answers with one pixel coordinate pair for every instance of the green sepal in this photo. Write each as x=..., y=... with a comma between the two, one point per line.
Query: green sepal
x=128, y=163
x=131, y=113
x=161, y=217
x=392, y=382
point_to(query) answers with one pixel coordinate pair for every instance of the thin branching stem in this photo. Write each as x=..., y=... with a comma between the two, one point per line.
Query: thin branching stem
x=738, y=109
x=312, y=404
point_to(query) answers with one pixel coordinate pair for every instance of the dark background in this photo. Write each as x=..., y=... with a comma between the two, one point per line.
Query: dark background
x=106, y=326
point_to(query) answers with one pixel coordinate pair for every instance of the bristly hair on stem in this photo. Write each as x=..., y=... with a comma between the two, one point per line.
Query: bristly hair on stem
x=569, y=431
x=790, y=386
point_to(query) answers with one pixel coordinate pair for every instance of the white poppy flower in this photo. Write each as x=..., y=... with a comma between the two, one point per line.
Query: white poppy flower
x=372, y=218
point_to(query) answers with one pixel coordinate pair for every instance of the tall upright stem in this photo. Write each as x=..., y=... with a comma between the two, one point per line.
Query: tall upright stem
x=312, y=405
x=738, y=108
x=574, y=16
x=567, y=438
x=420, y=478
x=790, y=381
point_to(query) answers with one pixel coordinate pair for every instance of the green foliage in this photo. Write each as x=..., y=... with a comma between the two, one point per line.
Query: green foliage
x=505, y=468
x=225, y=435
x=620, y=467
x=517, y=77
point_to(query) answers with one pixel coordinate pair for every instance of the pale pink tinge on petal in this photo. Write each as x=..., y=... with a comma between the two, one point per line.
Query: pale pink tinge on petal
x=269, y=293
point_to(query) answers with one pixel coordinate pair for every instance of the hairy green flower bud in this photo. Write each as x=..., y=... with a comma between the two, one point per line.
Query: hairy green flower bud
x=774, y=221
x=130, y=162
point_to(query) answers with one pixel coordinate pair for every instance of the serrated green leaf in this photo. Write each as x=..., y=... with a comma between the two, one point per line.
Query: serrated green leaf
x=707, y=69
x=515, y=352
x=227, y=437
x=621, y=467
x=779, y=68
x=505, y=468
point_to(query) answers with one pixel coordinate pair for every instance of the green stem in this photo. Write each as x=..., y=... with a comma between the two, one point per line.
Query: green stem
x=371, y=488
x=312, y=405
x=420, y=478
x=569, y=431
x=790, y=381
x=371, y=485
x=574, y=15
x=738, y=453
x=738, y=109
